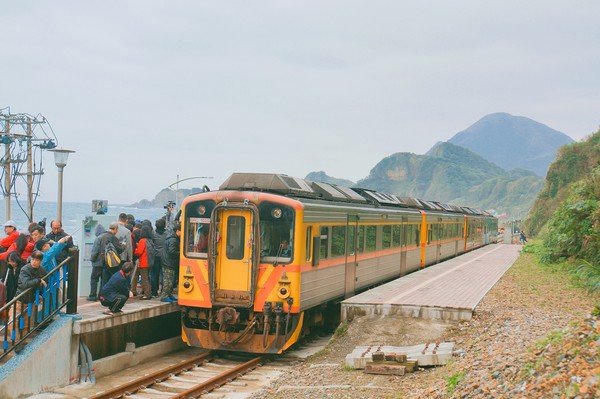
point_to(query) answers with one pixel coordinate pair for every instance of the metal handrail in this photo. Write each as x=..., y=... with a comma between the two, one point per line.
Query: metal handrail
x=23, y=319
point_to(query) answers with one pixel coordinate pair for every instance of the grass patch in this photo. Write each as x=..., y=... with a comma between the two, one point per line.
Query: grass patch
x=453, y=381
x=342, y=330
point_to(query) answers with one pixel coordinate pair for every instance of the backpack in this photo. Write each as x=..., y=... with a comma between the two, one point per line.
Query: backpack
x=111, y=256
x=150, y=252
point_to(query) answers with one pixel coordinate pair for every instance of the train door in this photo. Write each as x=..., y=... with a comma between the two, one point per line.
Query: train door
x=234, y=256
x=351, y=255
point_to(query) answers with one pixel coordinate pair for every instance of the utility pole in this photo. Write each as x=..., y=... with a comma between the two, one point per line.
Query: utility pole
x=19, y=140
x=29, y=172
x=7, y=179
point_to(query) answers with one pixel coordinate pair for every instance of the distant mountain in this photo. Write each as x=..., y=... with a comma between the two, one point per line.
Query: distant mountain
x=450, y=173
x=513, y=142
x=324, y=178
x=164, y=196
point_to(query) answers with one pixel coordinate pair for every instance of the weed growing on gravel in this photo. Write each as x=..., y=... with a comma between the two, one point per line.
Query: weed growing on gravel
x=341, y=330
x=453, y=381
x=553, y=337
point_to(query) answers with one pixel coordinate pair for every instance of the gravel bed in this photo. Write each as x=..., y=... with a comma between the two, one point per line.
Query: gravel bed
x=497, y=356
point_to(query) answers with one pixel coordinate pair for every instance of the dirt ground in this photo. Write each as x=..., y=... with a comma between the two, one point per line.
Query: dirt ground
x=491, y=350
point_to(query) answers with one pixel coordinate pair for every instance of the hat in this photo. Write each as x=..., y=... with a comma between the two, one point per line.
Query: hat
x=40, y=244
x=10, y=223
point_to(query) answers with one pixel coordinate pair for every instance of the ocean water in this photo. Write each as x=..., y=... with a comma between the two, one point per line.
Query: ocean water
x=73, y=214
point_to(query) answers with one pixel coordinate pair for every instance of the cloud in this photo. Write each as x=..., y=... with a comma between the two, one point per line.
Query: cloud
x=148, y=91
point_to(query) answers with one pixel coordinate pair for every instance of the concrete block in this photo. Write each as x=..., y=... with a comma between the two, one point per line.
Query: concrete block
x=423, y=354
x=385, y=368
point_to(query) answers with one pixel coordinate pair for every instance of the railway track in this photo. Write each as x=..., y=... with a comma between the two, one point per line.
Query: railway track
x=191, y=378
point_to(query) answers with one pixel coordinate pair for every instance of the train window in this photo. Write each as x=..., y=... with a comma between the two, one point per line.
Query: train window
x=196, y=228
x=308, y=242
x=338, y=241
x=196, y=239
x=351, y=240
x=276, y=232
x=371, y=237
x=236, y=229
x=396, y=235
x=361, y=239
x=386, y=239
x=417, y=231
x=324, y=241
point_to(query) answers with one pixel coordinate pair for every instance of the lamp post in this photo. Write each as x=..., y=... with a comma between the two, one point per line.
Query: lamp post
x=60, y=159
x=177, y=186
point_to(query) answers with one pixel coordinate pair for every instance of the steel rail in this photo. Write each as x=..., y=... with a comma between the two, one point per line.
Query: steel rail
x=220, y=379
x=154, y=378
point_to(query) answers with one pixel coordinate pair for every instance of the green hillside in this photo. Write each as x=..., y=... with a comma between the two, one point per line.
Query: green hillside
x=453, y=174
x=574, y=163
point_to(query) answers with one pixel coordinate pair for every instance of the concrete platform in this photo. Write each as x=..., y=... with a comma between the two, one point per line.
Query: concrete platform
x=61, y=343
x=92, y=319
x=449, y=290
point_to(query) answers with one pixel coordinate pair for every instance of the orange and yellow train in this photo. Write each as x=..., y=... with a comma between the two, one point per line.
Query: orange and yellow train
x=264, y=257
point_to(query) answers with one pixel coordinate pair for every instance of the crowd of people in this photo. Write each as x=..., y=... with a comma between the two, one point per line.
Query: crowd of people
x=25, y=258
x=147, y=254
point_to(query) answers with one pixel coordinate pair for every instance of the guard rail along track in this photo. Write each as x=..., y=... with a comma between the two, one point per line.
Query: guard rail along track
x=170, y=380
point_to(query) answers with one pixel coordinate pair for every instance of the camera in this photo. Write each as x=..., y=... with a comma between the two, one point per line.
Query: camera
x=170, y=205
x=42, y=223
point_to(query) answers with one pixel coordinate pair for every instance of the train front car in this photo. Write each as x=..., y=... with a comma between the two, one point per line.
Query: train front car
x=239, y=284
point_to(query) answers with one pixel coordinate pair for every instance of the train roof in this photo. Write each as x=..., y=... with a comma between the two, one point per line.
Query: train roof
x=301, y=188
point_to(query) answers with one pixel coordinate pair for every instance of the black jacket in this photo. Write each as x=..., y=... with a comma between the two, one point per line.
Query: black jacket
x=29, y=277
x=107, y=237
x=170, y=254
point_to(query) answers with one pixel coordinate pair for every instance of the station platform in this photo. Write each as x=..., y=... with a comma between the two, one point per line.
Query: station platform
x=449, y=290
x=110, y=343
x=91, y=319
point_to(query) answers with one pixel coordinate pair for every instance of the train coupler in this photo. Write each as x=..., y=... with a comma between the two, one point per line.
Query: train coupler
x=227, y=316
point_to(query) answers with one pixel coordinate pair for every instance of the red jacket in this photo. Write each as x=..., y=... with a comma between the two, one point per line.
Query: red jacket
x=9, y=239
x=142, y=253
x=13, y=247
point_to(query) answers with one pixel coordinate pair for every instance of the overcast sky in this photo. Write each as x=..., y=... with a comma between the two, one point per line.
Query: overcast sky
x=145, y=91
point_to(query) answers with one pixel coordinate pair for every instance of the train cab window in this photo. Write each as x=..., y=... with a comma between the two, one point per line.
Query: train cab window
x=196, y=228
x=396, y=229
x=386, y=239
x=236, y=229
x=371, y=238
x=338, y=241
x=276, y=233
x=324, y=243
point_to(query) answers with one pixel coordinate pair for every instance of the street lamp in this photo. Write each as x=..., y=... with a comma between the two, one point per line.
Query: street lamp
x=60, y=159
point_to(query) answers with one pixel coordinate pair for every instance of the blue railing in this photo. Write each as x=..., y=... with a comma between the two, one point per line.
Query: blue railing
x=20, y=318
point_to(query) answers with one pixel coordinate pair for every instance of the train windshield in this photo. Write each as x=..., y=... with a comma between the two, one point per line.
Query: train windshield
x=276, y=233
x=197, y=225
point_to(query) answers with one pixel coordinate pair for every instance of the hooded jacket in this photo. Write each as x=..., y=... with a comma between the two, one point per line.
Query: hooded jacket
x=95, y=257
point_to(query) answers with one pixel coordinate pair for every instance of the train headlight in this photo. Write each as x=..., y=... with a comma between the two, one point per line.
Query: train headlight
x=283, y=291
x=201, y=210
x=276, y=213
x=188, y=283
